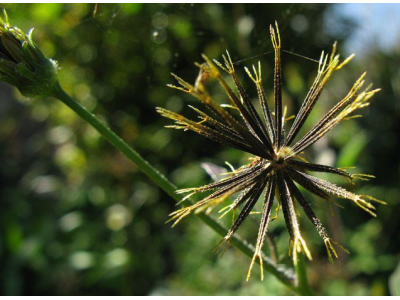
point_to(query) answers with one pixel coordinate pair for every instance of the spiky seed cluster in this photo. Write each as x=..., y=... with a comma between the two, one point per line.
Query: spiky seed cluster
x=22, y=64
x=276, y=167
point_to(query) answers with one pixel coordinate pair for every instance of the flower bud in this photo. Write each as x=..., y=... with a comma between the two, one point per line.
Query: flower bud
x=22, y=64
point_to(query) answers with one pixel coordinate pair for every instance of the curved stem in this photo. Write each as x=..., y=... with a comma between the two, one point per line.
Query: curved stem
x=280, y=272
x=302, y=281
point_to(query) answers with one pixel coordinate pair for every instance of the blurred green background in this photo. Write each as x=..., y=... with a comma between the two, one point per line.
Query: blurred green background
x=77, y=218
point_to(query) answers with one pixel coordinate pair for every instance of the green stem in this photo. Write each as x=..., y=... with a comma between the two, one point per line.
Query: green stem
x=279, y=271
x=302, y=281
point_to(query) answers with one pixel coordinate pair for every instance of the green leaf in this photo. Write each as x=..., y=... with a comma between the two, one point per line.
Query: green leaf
x=394, y=282
x=350, y=153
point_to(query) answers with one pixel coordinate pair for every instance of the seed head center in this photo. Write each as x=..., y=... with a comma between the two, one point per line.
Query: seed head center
x=281, y=155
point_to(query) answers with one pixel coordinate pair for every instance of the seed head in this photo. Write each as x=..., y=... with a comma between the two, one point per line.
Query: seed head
x=277, y=168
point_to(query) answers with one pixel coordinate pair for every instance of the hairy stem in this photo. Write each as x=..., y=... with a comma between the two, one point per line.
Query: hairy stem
x=281, y=272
